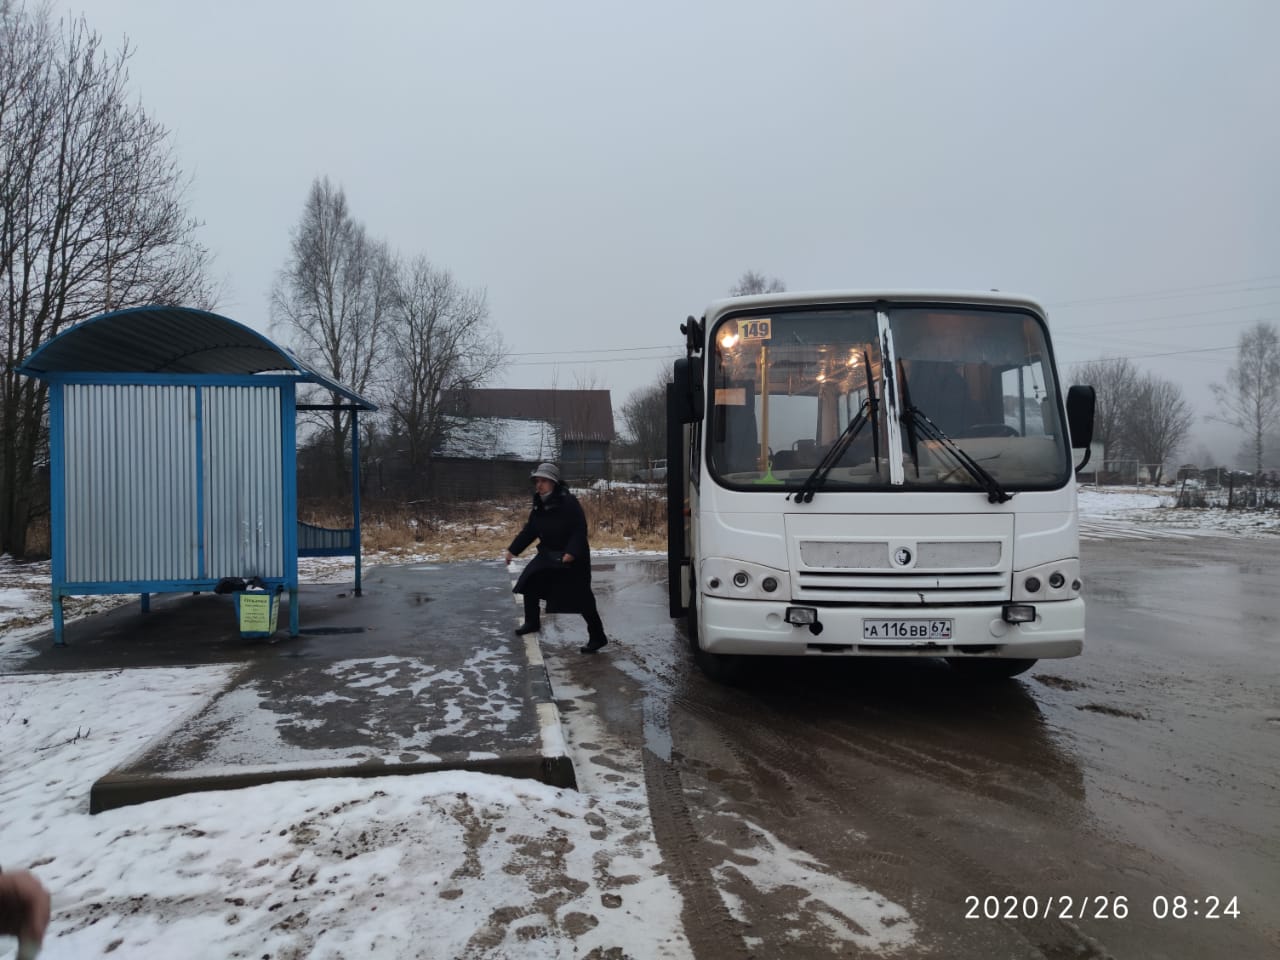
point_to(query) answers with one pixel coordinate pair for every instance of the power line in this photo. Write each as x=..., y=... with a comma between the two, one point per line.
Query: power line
x=1179, y=316
x=1173, y=292
x=1152, y=356
x=558, y=353
x=1060, y=333
x=556, y=363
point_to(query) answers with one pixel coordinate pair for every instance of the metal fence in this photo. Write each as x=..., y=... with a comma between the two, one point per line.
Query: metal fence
x=1230, y=492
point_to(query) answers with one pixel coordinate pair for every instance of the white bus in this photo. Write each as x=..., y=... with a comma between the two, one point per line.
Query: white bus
x=875, y=474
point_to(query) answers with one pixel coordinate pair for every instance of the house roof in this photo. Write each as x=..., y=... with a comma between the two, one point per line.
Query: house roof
x=581, y=415
x=495, y=438
x=170, y=340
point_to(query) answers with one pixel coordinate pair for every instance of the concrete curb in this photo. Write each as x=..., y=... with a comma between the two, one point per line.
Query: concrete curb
x=122, y=790
x=554, y=746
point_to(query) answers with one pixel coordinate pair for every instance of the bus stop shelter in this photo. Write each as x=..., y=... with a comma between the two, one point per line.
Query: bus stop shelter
x=173, y=457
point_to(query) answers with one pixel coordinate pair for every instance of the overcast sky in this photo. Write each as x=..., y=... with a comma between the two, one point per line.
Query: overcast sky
x=603, y=169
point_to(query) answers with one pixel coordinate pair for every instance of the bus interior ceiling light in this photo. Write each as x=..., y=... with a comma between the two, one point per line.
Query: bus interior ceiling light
x=1018, y=613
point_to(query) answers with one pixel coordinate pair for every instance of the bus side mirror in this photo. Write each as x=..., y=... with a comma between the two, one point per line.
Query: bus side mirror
x=694, y=331
x=1080, y=404
x=687, y=396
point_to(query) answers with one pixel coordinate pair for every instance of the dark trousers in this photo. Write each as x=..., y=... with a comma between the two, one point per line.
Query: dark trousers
x=595, y=626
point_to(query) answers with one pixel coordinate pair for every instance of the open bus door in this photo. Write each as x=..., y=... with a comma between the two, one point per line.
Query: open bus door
x=684, y=407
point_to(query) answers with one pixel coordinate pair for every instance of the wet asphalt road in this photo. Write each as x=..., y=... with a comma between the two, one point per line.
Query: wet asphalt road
x=867, y=808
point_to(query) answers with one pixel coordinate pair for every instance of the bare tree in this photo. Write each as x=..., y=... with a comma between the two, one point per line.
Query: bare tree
x=1156, y=422
x=440, y=339
x=752, y=282
x=92, y=218
x=332, y=298
x=1114, y=383
x=1250, y=399
x=645, y=416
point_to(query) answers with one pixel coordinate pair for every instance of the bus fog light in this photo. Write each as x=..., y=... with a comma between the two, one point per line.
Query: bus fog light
x=1018, y=613
x=801, y=615
x=714, y=583
x=1032, y=584
x=1056, y=580
x=740, y=579
x=1075, y=585
x=769, y=584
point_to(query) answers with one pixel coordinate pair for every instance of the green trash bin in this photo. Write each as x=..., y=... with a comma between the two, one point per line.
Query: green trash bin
x=257, y=611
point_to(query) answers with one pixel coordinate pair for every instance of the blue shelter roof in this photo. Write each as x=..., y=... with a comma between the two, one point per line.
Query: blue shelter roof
x=176, y=340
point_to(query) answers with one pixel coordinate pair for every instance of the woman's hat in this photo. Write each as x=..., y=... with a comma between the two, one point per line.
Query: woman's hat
x=548, y=471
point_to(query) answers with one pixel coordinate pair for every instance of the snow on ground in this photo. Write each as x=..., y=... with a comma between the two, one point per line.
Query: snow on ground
x=1122, y=512
x=448, y=865
x=441, y=865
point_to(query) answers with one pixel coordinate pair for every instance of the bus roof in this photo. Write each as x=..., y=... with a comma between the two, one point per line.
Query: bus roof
x=791, y=298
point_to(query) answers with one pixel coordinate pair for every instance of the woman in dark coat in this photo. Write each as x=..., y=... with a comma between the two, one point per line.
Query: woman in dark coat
x=561, y=571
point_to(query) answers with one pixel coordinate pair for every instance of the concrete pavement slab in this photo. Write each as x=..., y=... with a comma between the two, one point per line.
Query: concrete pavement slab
x=421, y=673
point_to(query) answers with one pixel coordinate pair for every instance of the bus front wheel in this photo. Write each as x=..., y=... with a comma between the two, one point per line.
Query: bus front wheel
x=691, y=620
x=717, y=667
x=986, y=668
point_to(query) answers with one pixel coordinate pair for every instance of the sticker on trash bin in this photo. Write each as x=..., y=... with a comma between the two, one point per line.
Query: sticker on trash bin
x=258, y=613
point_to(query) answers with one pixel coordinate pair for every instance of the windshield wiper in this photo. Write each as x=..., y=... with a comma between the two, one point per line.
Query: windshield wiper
x=918, y=422
x=875, y=410
x=869, y=412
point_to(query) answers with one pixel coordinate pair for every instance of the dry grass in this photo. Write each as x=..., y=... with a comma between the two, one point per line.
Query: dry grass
x=619, y=518
x=624, y=518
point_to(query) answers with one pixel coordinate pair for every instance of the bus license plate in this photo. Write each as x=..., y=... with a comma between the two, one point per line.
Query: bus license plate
x=906, y=629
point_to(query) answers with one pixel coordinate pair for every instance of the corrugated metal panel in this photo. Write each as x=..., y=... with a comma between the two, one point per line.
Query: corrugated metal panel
x=243, y=486
x=130, y=483
x=311, y=537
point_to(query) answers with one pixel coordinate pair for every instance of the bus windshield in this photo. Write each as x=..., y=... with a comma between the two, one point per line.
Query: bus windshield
x=951, y=380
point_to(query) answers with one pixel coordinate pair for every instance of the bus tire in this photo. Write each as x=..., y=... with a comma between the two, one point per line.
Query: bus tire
x=717, y=667
x=986, y=669
x=723, y=668
x=691, y=623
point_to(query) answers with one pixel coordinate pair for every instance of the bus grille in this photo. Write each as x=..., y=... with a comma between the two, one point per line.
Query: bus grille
x=863, y=571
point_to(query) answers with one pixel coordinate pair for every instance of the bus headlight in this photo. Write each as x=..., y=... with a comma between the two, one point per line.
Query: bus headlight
x=741, y=580
x=1046, y=582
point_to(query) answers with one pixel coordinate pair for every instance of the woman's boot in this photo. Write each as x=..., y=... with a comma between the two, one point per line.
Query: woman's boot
x=532, y=617
x=595, y=631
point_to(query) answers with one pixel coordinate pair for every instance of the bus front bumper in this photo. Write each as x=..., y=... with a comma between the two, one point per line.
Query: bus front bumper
x=759, y=628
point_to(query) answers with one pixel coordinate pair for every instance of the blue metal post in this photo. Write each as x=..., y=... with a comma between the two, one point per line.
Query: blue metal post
x=289, y=476
x=200, y=574
x=355, y=488
x=57, y=506
x=57, y=618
